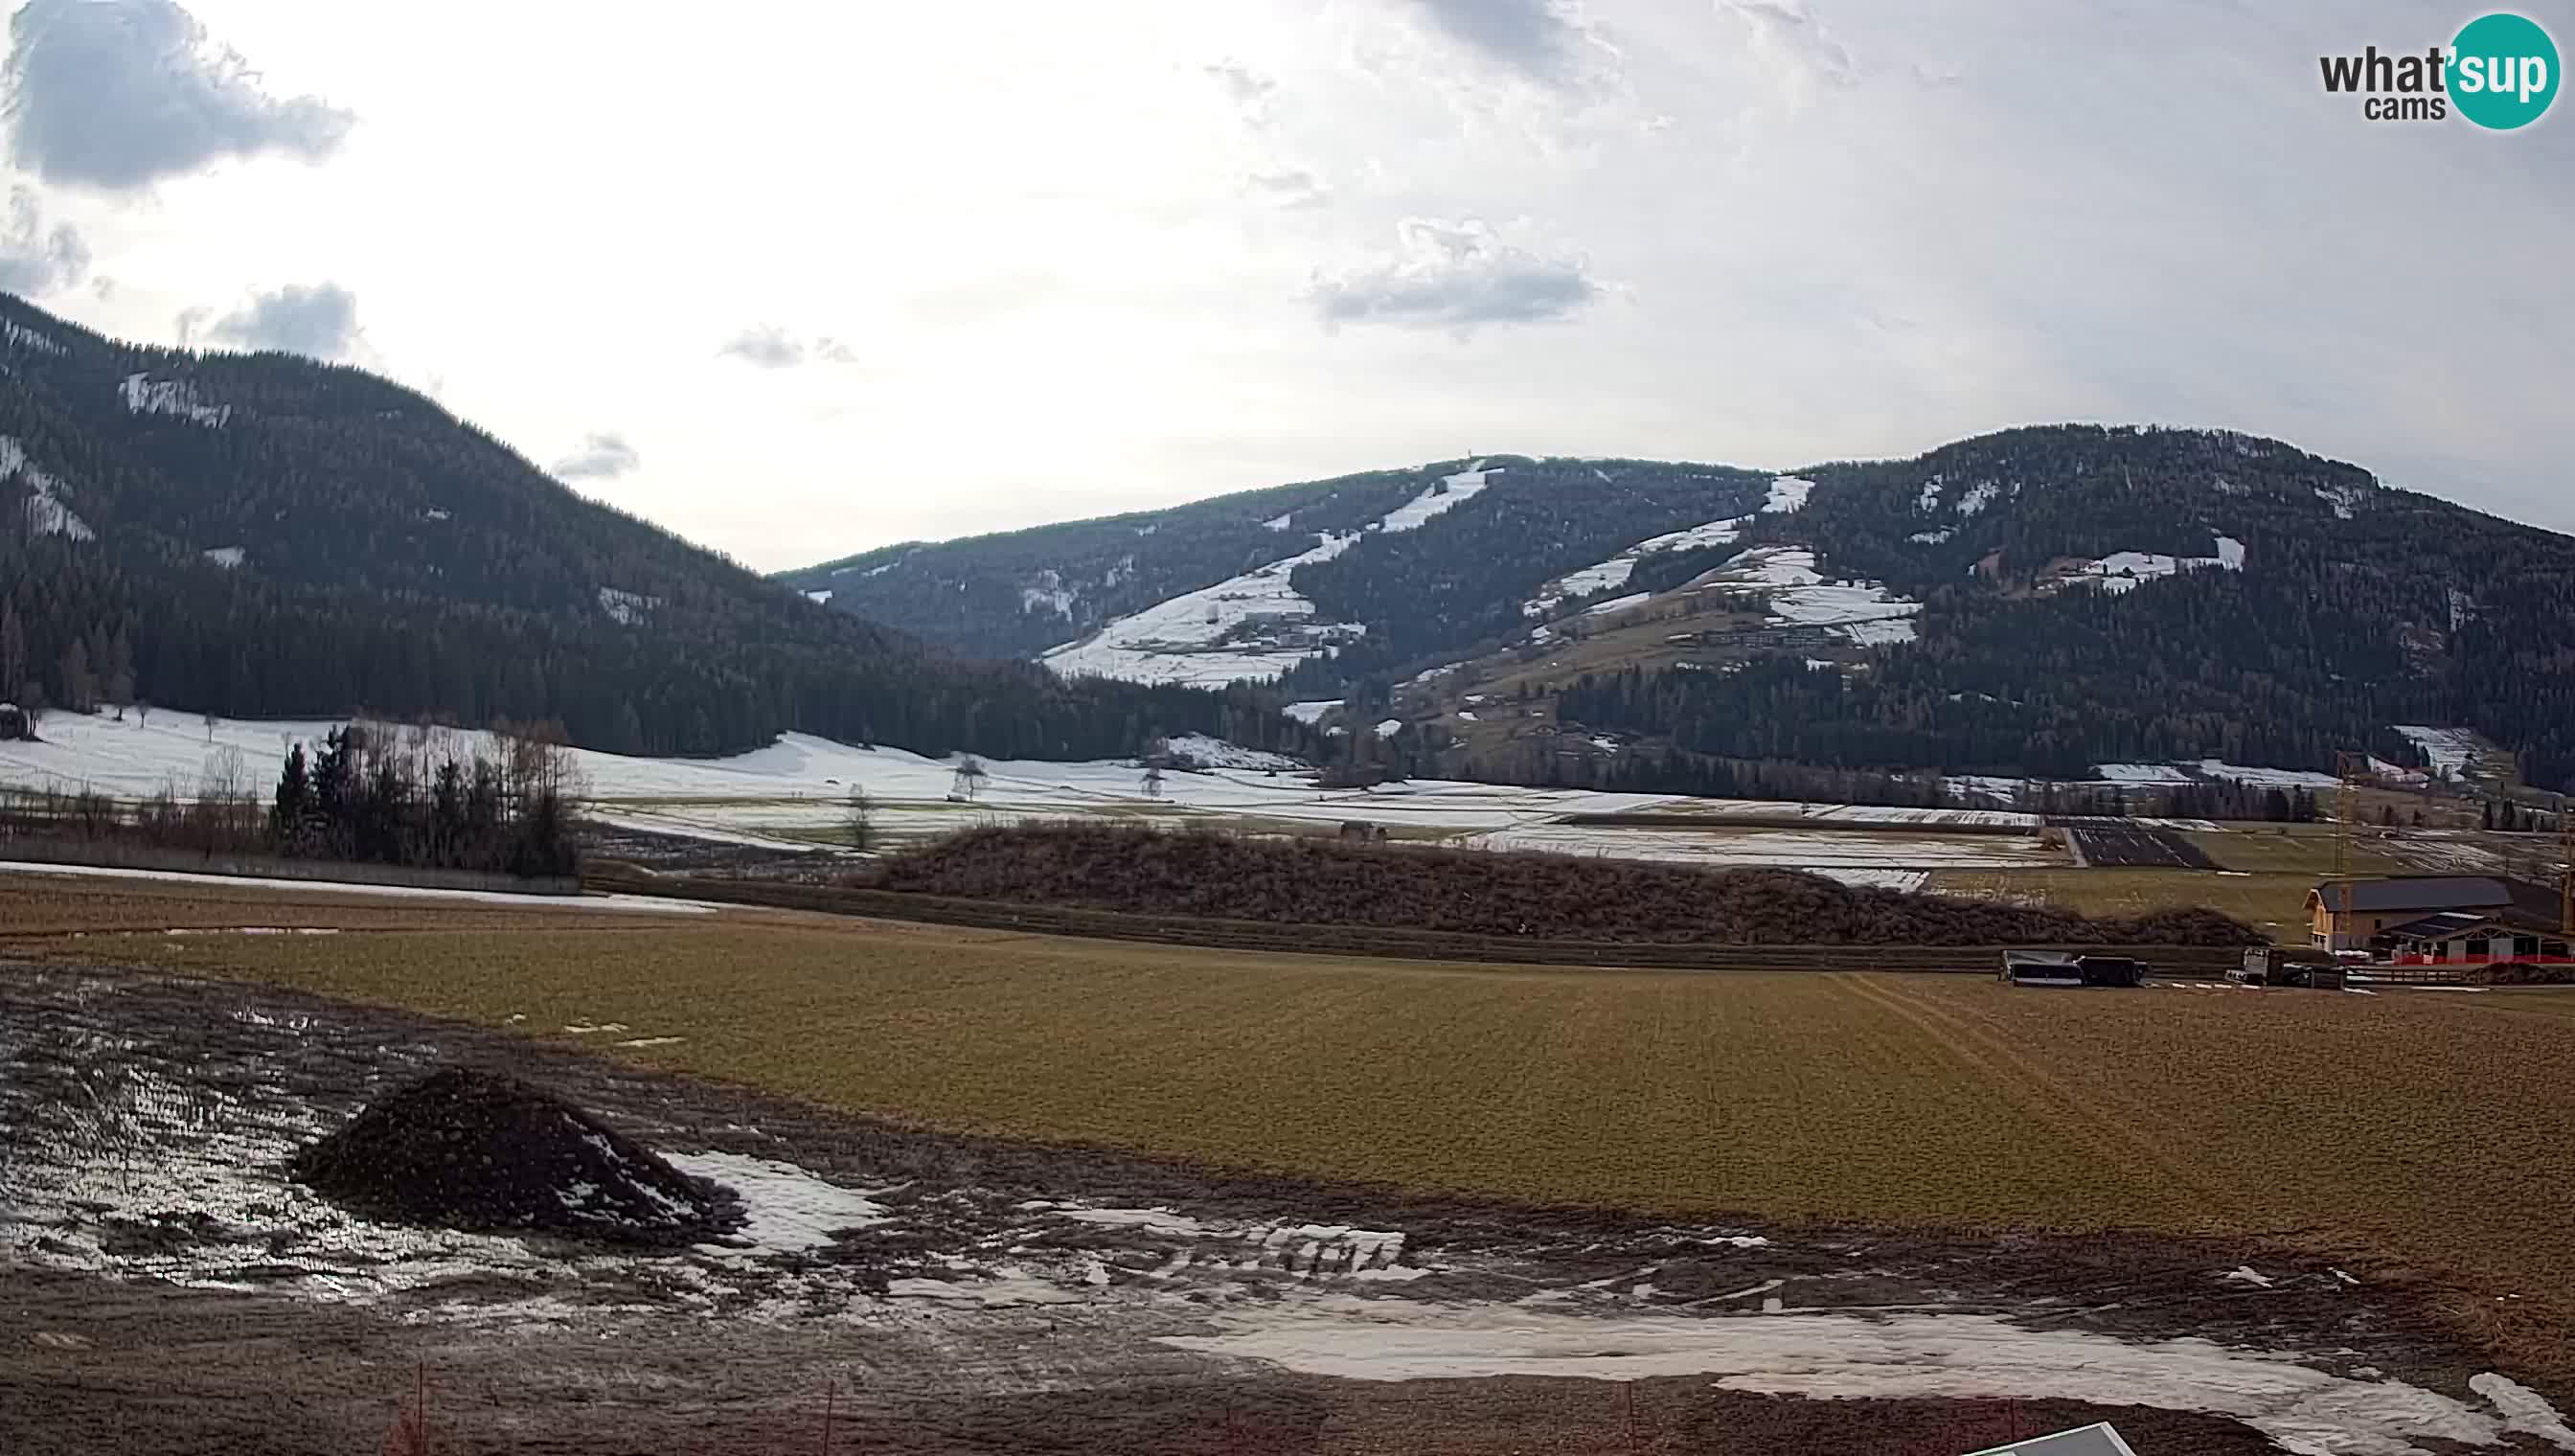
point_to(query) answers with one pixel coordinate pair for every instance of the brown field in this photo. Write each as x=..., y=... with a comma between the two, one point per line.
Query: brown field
x=2420, y=1130
x=2272, y=902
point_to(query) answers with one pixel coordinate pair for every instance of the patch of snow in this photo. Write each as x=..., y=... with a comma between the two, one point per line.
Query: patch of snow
x=1613, y=573
x=1452, y=491
x=1866, y=612
x=1876, y=1356
x=1978, y=497
x=1787, y=494
x=1468, y=714
x=627, y=609
x=819, y=596
x=435, y=513
x=1312, y=713
x=2180, y=774
x=19, y=335
x=1058, y=601
x=650, y=905
x=1182, y=638
x=1929, y=500
x=2122, y=572
x=1215, y=752
x=1389, y=726
x=171, y=397
x=2449, y=749
x=46, y=514
x=227, y=557
x=789, y=1209
x=2247, y=1274
x=1617, y=604
x=879, y=571
x=1932, y=537
x=2341, y=498
x=1282, y=521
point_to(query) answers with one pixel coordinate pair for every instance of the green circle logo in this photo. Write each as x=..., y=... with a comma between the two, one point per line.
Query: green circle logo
x=2503, y=71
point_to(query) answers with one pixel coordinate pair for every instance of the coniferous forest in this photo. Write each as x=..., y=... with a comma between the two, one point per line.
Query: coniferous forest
x=262, y=536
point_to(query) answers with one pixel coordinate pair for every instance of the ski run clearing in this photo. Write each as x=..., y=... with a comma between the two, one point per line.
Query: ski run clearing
x=1252, y=627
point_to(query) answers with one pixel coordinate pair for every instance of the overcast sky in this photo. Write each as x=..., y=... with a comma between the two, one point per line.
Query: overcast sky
x=799, y=280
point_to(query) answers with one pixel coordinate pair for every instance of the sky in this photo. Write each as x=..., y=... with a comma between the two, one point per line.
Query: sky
x=809, y=279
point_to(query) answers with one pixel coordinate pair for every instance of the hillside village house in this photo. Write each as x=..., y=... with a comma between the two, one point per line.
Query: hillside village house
x=2438, y=918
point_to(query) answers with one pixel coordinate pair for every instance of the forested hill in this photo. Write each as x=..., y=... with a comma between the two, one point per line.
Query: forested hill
x=266, y=536
x=2034, y=601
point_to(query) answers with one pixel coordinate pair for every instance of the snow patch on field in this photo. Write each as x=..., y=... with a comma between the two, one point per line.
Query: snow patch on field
x=1215, y=752
x=1866, y=612
x=1932, y=537
x=2122, y=572
x=789, y=1209
x=1886, y=1357
x=1312, y=713
x=1788, y=495
x=2449, y=749
x=1978, y=497
x=1613, y=573
x=1281, y=521
x=820, y=596
x=650, y=905
x=1820, y=850
x=2341, y=498
x=227, y=557
x=2180, y=774
x=1619, y=604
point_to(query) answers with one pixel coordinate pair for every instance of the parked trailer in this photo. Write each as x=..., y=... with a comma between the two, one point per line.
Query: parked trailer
x=2066, y=969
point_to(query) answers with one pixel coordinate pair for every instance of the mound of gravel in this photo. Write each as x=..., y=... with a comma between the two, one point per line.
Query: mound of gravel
x=489, y=1153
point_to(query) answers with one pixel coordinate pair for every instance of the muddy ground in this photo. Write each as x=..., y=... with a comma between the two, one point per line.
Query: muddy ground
x=165, y=1287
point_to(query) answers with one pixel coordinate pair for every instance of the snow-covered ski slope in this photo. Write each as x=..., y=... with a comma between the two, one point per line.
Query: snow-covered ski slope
x=1254, y=625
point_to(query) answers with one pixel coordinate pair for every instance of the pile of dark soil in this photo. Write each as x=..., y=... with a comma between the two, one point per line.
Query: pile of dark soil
x=1552, y=896
x=489, y=1153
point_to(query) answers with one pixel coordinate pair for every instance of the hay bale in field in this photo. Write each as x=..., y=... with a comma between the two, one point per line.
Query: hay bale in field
x=490, y=1153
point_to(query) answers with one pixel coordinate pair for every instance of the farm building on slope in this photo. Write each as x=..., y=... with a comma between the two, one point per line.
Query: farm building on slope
x=2349, y=914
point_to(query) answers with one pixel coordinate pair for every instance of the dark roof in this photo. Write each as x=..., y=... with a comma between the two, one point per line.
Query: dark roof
x=2426, y=893
x=2450, y=924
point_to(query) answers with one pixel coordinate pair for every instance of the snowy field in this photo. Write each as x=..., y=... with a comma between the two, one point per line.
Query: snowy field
x=2451, y=750
x=1613, y=572
x=1866, y=612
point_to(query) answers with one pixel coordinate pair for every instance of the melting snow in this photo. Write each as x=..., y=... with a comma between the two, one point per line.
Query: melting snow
x=1978, y=498
x=2341, y=498
x=2179, y=775
x=171, y=397
x=1214, y=752
x=628, y=608
x=1057, y=601
x=226, y=556
x=2120, y=572
x=1613, y=573
x=46, y=514
x=1459, y=489
x=1866, y=612
x=1281, y=521
x=1886, y=1357
x=17, y=335
x=2449, y=749
x=1929, y=500
x=1617, y=604
x=1787, y=494
x=1932, y=537
x=789, y=1209
x=1312, y=713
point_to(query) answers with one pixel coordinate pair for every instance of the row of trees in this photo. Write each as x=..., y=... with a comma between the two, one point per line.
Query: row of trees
x=431, y=798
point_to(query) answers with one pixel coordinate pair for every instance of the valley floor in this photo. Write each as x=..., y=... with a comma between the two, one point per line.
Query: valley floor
x=1462, y=1198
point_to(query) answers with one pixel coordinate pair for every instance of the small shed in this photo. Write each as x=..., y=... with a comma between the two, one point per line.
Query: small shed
x=14, y=722
x=2098, y=1440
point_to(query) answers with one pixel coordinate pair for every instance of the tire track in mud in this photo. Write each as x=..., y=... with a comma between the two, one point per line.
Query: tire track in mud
x=2079, y=1116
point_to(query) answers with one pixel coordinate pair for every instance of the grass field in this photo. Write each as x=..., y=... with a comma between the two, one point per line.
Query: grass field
x=2273, y=902
x=2427, y=1129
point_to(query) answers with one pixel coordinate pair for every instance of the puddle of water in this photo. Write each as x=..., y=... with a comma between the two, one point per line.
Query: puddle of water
x=2306, y=1410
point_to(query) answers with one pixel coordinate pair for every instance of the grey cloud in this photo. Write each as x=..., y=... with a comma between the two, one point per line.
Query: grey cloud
x=35, y=260
x=1291, y=187
x=1544, y=40
x=119, y=94
x=1248, y=89
x=319, y=320
x=1458, y=276
x=102, y=287
x=190, y=321
x=770, y=347
x=601, y=458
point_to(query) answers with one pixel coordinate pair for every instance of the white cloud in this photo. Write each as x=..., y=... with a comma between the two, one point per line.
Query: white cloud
x=1290, y=187
x=119, y=94
x=1548, y=42
x=319, y=320
x=1793, y=49
x=601, y=458
x=1458, y=276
